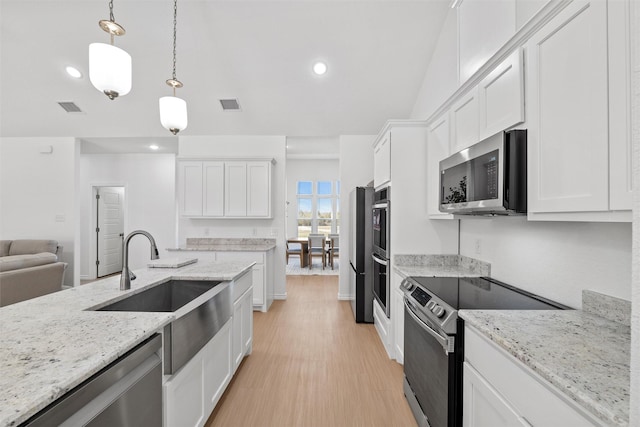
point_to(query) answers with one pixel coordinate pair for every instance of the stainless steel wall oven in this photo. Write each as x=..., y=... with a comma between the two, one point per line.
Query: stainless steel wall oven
x=381, y=241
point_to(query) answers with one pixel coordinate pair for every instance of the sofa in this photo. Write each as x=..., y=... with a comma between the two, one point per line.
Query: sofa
x=29, y=269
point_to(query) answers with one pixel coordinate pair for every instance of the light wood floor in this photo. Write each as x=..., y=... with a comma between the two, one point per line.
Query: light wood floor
x=312, y=365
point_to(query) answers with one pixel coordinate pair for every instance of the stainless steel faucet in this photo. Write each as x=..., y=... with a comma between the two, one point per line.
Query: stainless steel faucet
x=127, y=276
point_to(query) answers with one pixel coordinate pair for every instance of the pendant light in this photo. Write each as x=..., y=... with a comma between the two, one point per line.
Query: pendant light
x=110, y=66
x=173, y=110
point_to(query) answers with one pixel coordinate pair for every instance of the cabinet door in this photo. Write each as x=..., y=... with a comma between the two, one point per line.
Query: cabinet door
x=437, y=150
x=213, y=203
x=217, y=367
x=258, y=284
x=382, y=161
x=236, y=334
x=465, y=122
x=483, y=406
x=190, y=188
x=620, y=71
x=398, y=321
x=501, y=96
x=183, y=403
x=259, y=189
x=247, y=322
x=567, y=99
x=235, y=185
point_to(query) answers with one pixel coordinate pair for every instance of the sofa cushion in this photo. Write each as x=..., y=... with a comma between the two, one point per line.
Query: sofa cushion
x=24, y=247
x=16, y=262
x=4, y=247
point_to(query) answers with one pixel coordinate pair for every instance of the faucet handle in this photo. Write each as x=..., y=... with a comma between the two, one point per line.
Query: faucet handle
x=131, y=275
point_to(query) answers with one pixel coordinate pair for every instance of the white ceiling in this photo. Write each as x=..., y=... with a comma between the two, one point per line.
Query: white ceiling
x=260, y=52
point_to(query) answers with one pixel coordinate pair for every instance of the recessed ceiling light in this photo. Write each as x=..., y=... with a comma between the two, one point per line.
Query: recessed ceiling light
x=153, y=147
x=73, y=72
x=319, y=68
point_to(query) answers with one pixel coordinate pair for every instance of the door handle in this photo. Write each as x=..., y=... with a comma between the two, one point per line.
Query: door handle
x=379, y=260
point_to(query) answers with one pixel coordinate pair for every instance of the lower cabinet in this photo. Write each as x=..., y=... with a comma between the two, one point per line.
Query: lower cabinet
x=191, y=394
x=397, y=317
x=384, y=327
x=262, y=273
x=242, y=328
x=499, y=390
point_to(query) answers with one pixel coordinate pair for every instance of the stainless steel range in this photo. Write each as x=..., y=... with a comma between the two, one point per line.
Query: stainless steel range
x=433, y=338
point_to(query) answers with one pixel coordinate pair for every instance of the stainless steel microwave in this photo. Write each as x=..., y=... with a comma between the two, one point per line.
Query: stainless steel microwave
x=488, y=178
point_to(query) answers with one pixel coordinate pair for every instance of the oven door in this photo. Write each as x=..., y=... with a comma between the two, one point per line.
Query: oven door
x=380, y=228
x=430, y=371
x=381, y=282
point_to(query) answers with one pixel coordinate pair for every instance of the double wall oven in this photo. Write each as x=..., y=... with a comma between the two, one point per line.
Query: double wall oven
x=381, y=272
x=433, y=338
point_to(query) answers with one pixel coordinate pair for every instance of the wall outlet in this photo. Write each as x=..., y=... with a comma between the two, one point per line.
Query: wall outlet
x=60, y=218
x=255, y=231
x=274, y=232
x=206, y=231
x=478, y=245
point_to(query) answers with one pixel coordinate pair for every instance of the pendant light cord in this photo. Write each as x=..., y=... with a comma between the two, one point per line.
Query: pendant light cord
x=111, y=18
x=175, y=22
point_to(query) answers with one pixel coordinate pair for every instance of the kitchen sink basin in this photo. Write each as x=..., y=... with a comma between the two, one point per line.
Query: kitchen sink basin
x=165, y=297
x=190, y=330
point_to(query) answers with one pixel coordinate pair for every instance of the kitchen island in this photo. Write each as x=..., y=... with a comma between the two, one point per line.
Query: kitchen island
x=51, y=344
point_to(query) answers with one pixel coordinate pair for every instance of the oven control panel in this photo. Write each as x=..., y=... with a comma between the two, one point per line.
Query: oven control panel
x=421, y=296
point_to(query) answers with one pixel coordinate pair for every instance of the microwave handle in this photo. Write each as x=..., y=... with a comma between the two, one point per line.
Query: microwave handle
x=379, y=260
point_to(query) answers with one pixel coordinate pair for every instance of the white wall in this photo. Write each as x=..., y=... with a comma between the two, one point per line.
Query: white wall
x=356, y=170
x=306, y=170
x=149, y=181
x=38, y=193
x=253, y=146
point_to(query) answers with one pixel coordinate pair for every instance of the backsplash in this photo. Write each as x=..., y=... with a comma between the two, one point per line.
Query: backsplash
x=194, y=242
x=611, y=308
x=462, y=262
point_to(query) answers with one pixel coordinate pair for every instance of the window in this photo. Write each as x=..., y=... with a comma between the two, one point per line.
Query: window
x=319, y=211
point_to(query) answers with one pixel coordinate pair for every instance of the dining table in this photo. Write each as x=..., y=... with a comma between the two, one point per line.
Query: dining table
x=304, y=246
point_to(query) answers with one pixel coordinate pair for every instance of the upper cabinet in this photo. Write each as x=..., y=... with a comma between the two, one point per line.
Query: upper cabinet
x=437, y=149
x=224, y=188
x=501, y=96
x=568, y=102
x=465, y=117
x=484, y=27
x=382, y=160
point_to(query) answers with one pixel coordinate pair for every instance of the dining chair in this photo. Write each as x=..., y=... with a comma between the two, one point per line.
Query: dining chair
x=295, y=252
x=334, y=247
x=316, y=248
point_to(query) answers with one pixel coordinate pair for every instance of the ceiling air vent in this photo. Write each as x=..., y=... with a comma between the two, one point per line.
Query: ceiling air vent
x=70, y=107
x=229, y=104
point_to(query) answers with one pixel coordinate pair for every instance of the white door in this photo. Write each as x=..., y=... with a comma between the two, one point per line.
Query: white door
x=110, y=229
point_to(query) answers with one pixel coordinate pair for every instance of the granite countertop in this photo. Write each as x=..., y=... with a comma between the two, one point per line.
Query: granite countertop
x=584, y=355
x=440, y=266
x=50, y=344
x=227, y=245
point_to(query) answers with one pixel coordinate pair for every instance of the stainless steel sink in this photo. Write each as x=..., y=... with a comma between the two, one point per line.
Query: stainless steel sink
x=193, y=326
x=165, y=297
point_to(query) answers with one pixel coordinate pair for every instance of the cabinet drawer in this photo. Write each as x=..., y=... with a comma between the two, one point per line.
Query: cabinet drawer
x=536, y=400
x=241, y=285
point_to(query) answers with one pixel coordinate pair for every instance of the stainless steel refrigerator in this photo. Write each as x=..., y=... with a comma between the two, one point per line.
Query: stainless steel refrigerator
x=360, y=251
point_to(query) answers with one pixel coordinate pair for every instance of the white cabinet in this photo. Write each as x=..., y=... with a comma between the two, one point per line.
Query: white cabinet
x=191, y=394
x=500, y=390
x=465, y=121
x=397, y=317
x=567, y=102
x=262, y=275
x=501, y=96
x=382, y=160
x=235, y=189
x=242, y=328
x=213, y=189
x=224, y=189
x=484, y=27
x=384, y=328
x=620, y=93
x=437, y=150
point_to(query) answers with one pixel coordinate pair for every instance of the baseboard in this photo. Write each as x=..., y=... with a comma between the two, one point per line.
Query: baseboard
x=280, y=296
x=344, y=297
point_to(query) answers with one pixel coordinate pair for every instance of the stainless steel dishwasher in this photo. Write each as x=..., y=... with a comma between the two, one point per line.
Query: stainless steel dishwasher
x=126, y=393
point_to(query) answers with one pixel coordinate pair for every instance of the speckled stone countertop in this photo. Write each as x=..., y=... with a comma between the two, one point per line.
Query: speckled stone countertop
x=227, y=245
x=440, y=266
x=584, y=355
x=50, y=344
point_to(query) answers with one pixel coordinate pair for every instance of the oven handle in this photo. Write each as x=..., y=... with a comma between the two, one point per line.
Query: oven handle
x=446, y=343
x=381, y=205
x=379, y=260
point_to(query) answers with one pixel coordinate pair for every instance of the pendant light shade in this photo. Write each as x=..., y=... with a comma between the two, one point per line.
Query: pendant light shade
x=173, y=113
x=110, y=69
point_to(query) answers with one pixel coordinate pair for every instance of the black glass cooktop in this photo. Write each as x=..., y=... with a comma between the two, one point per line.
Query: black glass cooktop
x=481, y=293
